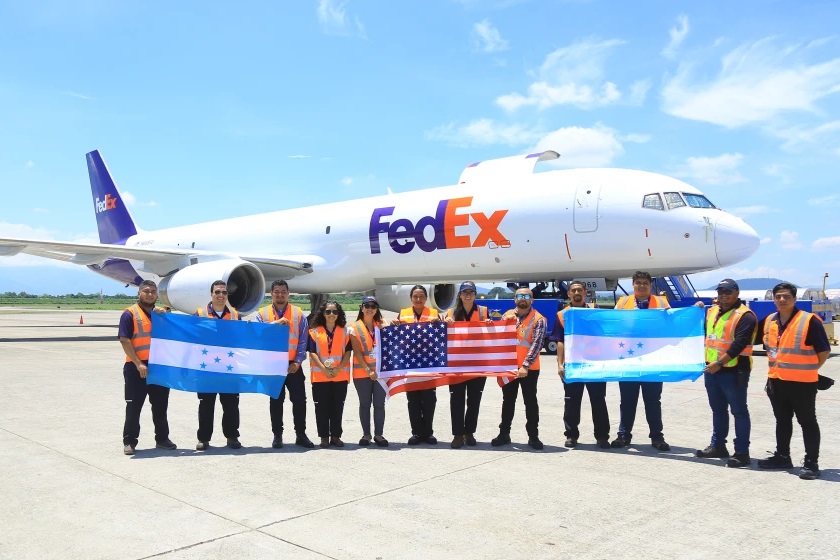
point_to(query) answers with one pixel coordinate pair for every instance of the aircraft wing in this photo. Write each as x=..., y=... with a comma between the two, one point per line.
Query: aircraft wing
x=156, y=259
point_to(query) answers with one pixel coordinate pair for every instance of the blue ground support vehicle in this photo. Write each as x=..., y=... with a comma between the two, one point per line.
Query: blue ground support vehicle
x=546, y=307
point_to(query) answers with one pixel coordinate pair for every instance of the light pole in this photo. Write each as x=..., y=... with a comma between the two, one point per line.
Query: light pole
x=823, y=292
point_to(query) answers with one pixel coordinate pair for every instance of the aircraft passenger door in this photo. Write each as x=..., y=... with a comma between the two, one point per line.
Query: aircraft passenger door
x=586, y=207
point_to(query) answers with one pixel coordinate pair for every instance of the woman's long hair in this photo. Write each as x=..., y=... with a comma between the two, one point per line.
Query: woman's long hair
x=459, y=313
x=321, y=321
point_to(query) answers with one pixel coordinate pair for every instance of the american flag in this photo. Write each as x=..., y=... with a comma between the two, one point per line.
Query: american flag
x=425, y=355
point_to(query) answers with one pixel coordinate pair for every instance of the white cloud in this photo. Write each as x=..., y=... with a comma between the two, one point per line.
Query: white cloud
x=40, y=210
x=832, y=200
x=582, y=147
x=29, y=164
x=486, y=38
x=298, y=156
x=766, y=240
x=720, y=170
x=483, y=132
x=797, y=137
x=638, y=92
x=824, y=243
x=131, y=200
x=779, y=171
x=636, y=138
x=335, y=21
x=572, y=75
x=744, y=211
x=678, y=34
x=756, y=82
x=790, y=240
x=347, y=181
x=78, y=95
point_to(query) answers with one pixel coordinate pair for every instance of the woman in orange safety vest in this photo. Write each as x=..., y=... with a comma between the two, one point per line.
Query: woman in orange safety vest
x=363, y=334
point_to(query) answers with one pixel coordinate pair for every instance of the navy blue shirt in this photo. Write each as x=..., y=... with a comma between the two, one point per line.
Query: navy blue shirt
x=126, y=328
x=816, y=338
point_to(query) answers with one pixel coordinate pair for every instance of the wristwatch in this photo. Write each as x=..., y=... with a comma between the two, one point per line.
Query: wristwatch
x=719, y=363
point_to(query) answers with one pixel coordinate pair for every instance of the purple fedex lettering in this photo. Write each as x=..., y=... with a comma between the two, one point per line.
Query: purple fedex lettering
x=403, y=235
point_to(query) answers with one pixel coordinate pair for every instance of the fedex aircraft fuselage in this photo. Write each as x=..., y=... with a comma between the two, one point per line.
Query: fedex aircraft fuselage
x=501, y=222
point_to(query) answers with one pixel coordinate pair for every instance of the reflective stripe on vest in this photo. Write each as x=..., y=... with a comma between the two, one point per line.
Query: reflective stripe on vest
x=407, y=315
x=233, y=314
x=368, y=344
x=723, y=334
x=794, y=360
x=319, y=335
x=479, y=317
x=655, y=302
x=293, y=314
x=525, y=335
x=141, y=340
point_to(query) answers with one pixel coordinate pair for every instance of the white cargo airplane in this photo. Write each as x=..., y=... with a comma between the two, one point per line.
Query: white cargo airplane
x=500, y=222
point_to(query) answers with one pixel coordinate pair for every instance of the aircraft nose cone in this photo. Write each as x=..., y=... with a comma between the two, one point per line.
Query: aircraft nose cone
x=735, y=240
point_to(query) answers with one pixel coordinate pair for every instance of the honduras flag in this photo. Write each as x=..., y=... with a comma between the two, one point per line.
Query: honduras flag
x=638, y=345
x=213, y=356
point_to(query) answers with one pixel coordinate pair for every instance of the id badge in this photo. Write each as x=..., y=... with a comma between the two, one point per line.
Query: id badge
x=772, y=352
x=712, y=336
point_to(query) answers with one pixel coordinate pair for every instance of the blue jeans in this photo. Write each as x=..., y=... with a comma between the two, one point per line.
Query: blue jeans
x=651, y=394
x=725, y=394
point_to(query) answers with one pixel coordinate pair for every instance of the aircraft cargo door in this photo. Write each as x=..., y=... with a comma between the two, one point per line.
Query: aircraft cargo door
x=586, y=207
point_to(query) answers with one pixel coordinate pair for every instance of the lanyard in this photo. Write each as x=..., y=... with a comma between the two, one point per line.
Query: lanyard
x=330, y=338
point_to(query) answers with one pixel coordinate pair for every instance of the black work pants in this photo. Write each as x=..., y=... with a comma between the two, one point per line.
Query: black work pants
x=598, y=401
x=329, y=397
x=421, y=411
x=652, y=396
x=296, y=383
x=466, y=394
x=136, y=390
x=207, y=412
x=789, y=398
x=532, y=407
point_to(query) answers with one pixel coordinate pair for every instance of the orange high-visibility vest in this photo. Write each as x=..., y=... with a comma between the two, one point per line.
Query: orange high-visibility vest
x=407, y=315
x=789, y=358
x=525, y=335
x=562, y=311
x=141, y=340
x=721, y=336
x=232, y=316
x=325, y=352
x=293, y=313
x=368, y=343
x=629, y=302
x=479, y=317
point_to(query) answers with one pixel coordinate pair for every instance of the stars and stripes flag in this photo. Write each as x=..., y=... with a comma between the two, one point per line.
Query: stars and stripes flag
x=635, y=345
x=204, y=355
x=418, y=356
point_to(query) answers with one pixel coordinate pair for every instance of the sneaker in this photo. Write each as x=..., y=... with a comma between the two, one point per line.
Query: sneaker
x=233, y=443
x=202, y=446
x=603, y=443
x=277, y=442
x=470, y=440
x=128, y=449
x=713, y=452
x=776, y=461
x=304, y=441
x=619, y=442
x=325, y=443
x=457, y=442
x=571, y=442
x=501, y=439
x=431, y=440
x=166, y=444
x=414, y=440
x=809, y=470
x=660, y=445
x=739, y=461
x=535, y=443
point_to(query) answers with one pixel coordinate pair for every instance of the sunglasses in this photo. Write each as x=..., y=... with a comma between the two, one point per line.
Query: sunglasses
x=523, y=296
x=725, y=292
x=220, y=292
x=468, y=293
x=370, y=306
x=330, y=311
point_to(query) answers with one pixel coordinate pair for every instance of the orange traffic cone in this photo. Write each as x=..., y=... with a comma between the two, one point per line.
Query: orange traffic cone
x=81, y=320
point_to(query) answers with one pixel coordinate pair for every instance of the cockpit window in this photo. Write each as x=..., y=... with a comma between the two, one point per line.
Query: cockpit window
x=698, y=201
x=653, y=201
x=673, y=200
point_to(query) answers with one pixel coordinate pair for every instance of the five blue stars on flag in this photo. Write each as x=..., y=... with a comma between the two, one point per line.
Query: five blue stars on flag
x=217, y=360
x=630, y=352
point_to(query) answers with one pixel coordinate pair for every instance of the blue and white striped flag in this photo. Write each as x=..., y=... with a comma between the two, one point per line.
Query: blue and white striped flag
x=214, y=356
x=640, y=345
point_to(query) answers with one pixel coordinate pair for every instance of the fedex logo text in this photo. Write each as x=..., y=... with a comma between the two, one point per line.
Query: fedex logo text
x=109, y=203
x=403, y=235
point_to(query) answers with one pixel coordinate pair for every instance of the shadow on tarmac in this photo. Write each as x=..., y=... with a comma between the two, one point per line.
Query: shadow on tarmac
x=109, y=338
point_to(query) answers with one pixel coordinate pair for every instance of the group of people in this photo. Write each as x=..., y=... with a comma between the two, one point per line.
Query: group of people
x=339, y=351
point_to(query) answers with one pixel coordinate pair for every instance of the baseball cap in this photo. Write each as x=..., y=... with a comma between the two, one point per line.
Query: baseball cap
x=467, y=286
x=728, y=284
x=369, y=299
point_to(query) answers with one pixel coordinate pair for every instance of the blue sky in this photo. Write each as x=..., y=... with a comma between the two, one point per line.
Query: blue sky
x=205, y=110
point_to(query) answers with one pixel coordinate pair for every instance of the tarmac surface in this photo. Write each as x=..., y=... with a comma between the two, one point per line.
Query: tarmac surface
x=69, y=492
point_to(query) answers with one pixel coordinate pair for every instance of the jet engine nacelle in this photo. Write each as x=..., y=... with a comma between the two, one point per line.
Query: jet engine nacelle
x=189, y=288
x=396, y=297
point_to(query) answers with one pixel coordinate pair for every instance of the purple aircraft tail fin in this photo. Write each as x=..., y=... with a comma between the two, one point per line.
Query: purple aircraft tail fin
x=112, y=217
